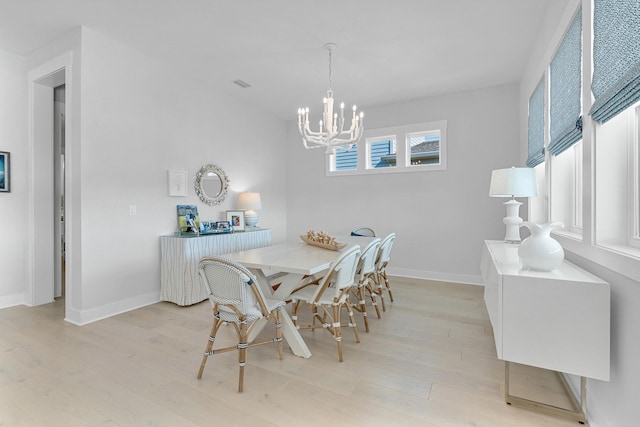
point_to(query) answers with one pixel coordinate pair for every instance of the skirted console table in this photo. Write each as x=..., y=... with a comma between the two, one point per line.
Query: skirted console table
x=180, y=254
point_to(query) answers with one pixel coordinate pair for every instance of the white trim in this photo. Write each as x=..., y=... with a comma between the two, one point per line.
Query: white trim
x=436, y=275
x=47, y=75
x=13, y=300
x=83, y=317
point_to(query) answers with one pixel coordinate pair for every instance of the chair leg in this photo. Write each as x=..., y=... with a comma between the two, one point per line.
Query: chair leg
x=294, y=313
x=337, y=331
x=380, y=290
x=386, y=282
x=363, y=307
x=352, y=320
x=208, y=351
x=315, y=316
x=242, y=354
x=278, y=332
x=374, y=299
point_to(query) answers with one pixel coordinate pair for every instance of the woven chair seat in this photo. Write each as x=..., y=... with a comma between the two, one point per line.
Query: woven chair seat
x=237, y=298
x=327, y=297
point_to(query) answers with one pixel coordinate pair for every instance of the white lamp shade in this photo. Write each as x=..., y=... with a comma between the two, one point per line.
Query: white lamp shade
x=513, y=182
x=249, y=201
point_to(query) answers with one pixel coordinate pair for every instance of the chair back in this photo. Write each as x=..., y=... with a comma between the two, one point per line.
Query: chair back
x=367, y=261
x=341, y=274
x=232, y=287
x=384, y=253
x=364, y=232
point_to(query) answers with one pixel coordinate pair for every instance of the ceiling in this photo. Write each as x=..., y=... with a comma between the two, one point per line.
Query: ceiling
x=388, y=51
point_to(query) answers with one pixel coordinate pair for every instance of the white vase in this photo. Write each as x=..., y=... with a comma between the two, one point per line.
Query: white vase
x=540, y=251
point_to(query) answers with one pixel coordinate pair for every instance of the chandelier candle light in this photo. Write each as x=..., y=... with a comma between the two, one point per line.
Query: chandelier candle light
x=331, y=133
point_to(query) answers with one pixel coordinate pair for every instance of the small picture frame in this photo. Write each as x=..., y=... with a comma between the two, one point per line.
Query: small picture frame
x=177, y=183
x=223, y=226
x=236, y=219
x=188, y=219
x=5, y=172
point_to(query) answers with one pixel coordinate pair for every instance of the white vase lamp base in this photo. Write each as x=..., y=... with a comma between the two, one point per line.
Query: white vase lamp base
x=250, y=218
x=512, y=221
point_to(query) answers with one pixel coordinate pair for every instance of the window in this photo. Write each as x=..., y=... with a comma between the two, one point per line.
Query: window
x=617, y=188
x=381, y=152
x=346, y=160
x=538, y=205
x=424, y=148
x=566, y=190
x=635, y=158
x=410, y=148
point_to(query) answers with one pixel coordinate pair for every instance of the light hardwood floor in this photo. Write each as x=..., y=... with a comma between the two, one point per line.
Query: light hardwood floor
x=430, y=361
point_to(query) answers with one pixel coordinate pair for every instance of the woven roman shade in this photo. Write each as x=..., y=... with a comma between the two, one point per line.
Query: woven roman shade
x=616, y=57
x=565, y=97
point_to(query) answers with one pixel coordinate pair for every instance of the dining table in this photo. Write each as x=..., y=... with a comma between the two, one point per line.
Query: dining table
x=289, y=263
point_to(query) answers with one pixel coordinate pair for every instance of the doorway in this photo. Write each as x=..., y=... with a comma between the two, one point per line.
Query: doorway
x=58, y=182
x=49, y=249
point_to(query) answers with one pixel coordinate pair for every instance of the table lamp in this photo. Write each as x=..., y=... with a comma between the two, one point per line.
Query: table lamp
x=250, y=202
x=513, y=182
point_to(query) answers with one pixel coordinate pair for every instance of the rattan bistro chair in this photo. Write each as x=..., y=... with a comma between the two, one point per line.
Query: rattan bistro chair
x=365, y=279
x=382, y=281
x=237, y=299
x=328, y=296
x=363, y=232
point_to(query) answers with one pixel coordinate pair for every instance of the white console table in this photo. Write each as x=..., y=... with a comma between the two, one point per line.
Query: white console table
x=180, y=255
x=558, y=320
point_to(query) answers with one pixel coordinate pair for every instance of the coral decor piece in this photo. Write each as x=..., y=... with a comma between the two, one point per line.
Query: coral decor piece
x=323, y=240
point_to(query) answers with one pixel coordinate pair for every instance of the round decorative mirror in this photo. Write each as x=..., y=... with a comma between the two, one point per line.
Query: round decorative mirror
x=211, y=184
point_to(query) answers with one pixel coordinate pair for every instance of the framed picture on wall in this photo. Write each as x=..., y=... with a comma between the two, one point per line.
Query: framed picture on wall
x=177, y=183
x=5, y=171
x=236, y=219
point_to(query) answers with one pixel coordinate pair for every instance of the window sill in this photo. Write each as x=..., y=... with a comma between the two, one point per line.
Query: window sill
x=627, y=251
x=568, y=234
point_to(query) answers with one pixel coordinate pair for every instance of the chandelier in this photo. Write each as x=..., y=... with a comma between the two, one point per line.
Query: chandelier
x=331, y=133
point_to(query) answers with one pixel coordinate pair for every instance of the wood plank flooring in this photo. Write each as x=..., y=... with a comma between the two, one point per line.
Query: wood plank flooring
x=430, y=361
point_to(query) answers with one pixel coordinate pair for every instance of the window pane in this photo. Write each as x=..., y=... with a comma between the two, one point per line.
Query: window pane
x=577, y=186
x=382, y=154
x=347, y=160
x=424, y=148
x=636, y=181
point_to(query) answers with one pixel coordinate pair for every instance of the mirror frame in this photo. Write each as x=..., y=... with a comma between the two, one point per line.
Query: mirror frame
x=224, y=183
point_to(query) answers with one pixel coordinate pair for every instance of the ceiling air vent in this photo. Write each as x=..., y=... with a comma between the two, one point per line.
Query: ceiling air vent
x=242, y=83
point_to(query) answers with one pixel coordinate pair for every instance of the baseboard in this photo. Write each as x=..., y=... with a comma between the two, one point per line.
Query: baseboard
x=83, y=317
x=439, y=276
x=7, y=301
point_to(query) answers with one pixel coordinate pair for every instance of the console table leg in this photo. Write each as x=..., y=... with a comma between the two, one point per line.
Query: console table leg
x=578, y=413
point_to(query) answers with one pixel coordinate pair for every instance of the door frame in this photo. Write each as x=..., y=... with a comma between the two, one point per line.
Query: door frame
x=43, y=252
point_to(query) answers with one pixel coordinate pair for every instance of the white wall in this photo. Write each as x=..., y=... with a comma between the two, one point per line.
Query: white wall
x=135, y=120
x=442, y=217
x=139, y=120
x=613, y=403
x=13, y=205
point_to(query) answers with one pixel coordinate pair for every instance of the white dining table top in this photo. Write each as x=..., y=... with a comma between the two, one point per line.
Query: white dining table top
x=295, y=257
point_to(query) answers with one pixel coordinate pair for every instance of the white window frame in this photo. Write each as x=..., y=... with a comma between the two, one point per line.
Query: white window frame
x=634, y=185
x=374, y=140
x=617, y=167
x=566, y=185
x=399, y=133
